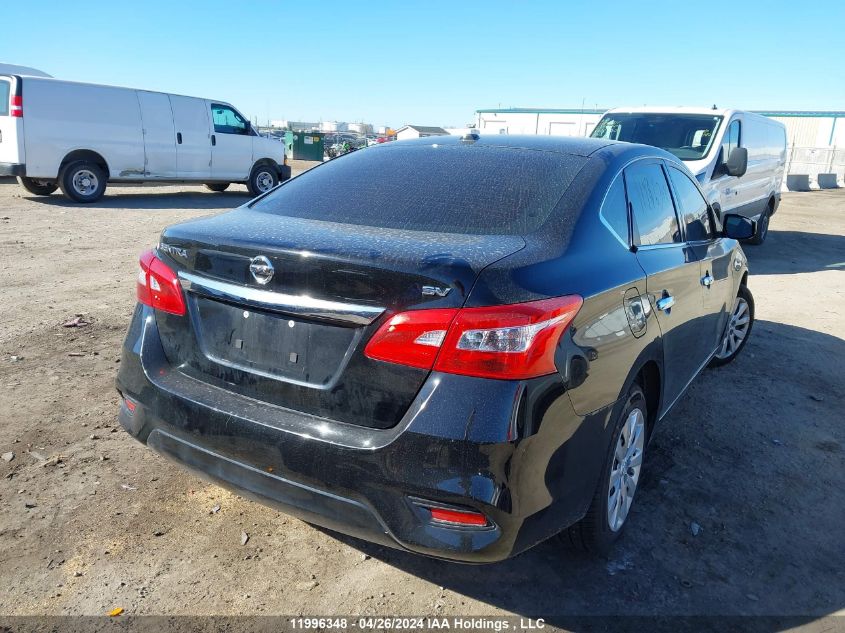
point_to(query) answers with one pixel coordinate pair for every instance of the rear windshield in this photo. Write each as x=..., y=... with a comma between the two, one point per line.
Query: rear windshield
x=5, y=89
x=687, y=136
x=440, y=188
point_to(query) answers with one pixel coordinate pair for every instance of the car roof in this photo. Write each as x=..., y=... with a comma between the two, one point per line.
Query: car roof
x=612, y=153
x=573, y=145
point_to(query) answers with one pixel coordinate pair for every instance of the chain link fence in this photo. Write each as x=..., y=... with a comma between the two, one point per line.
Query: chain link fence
x=814, y=168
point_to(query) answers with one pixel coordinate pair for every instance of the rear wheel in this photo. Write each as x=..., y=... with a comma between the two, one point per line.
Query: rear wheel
x=739, y=328
x=262, y=179
x=217, y=186
x=38, y=187
x=611, y=504
x=83, y=181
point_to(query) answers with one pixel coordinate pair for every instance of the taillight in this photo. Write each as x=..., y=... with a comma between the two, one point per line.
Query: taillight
x=411, y=338
x=510, y=342
x=158, y=286
x=17, y=106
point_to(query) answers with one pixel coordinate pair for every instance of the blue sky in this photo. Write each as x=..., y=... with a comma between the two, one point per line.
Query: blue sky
x=436, y=62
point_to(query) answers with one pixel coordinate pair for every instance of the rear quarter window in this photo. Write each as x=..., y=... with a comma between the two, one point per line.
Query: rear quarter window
x=614, y=211
x=5, y=92
x=439, y=188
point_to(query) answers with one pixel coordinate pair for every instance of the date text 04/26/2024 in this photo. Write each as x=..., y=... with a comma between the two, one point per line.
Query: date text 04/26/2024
x=456, y=623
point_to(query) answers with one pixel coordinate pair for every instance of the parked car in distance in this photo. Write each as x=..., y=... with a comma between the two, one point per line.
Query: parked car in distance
x=458, y=348
x=737, y=157
x=77, y=137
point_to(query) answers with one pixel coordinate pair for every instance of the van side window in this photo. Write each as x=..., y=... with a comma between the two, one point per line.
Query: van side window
x=227, y=121
x=692, y=207
x=731, y=139
x=5, y=91
x=654, y=216
x=614, y=211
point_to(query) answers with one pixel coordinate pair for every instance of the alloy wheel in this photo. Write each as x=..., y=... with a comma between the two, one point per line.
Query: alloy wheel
x=737, y=329
x=625, y=471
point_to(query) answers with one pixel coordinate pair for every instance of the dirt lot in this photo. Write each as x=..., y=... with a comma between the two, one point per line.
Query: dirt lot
x=751, y=459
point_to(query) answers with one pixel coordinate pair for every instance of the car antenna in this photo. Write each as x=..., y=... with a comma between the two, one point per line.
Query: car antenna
x=714, y=107
x=471, y=134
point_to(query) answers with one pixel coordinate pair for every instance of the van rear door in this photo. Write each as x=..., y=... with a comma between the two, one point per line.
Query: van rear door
x=193, y=137
x=159, y=135
x=11, y=127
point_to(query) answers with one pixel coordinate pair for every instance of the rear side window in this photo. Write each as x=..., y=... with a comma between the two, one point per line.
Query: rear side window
x=471, y=189
x=5, y=92
x=651, y=204
x=614, y=211
x=692, y=207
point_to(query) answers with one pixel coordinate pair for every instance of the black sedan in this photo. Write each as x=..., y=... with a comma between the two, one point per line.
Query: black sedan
x=459, y=347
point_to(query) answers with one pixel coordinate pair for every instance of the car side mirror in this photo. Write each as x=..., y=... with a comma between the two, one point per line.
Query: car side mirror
x=737, y=163
x=738, y=227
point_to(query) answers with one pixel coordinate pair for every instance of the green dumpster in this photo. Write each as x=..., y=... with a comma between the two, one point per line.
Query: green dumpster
x=304, y=145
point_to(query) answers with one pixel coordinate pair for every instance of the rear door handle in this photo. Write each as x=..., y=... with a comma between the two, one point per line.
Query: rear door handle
x=665, y=303
x=213, y=140
x=179, y=137
x=707, y=279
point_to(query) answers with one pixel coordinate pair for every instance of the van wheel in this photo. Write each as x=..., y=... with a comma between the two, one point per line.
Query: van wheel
x=738, y=329
x=83, y=181
x=217, y=186
x=38, y=187
x=262, y=179
x=762, y=228
x=609, y=510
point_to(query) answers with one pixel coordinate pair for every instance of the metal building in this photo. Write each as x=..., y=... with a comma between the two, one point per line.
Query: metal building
x=815, y=145
x=552, y=122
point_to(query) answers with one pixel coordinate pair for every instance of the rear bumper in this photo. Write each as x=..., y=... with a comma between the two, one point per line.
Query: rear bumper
x=305, y=502
x=460, y=445
x=12, y=169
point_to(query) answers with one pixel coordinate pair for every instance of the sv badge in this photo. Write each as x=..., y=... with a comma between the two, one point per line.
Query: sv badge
x=434, y=291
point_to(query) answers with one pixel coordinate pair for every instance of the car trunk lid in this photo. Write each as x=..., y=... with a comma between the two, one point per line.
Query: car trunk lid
x=297, y=339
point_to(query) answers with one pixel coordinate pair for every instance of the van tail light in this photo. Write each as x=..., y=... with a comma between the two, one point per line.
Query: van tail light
x=158, y=285
x=16, y=109
x=510, y=342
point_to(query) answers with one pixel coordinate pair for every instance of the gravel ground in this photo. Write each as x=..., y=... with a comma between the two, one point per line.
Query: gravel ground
x=740, y=511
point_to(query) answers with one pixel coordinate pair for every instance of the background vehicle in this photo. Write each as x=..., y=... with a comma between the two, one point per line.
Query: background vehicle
x=737, y=157
x=80, y=136
x=14, y=69
x=459, y=348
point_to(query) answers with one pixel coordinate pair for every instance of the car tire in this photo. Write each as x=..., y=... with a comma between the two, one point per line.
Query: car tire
x=738, y=328
x=83, y=181
x=38, y=187
x=605, y=520
x=262, y=178
x=762, y=228
x=217, y=186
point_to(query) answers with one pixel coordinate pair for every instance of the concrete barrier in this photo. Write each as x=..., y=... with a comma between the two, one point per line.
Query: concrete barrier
x=798, y=182
x=827, y=181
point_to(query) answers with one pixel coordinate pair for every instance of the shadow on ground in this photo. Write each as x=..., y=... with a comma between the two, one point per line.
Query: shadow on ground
x=789, y=252
x=753, y=455
x=154, y=200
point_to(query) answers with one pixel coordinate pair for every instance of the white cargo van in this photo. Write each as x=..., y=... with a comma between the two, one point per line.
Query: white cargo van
x=737, y=157
x=79, y=136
